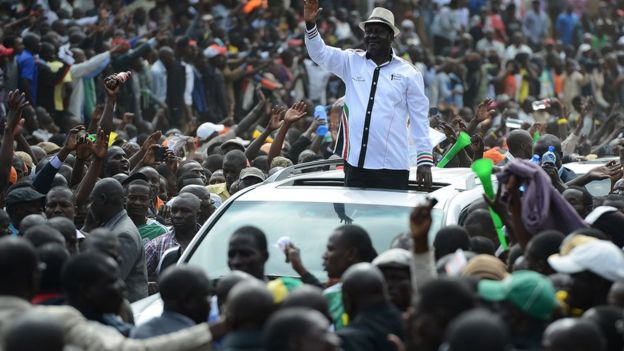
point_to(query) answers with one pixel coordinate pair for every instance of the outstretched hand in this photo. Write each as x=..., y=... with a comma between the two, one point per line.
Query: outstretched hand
x=100, y=147
x=311, y=10
x=295, y=113
x=484, y=110
x=16, y=102
x=276, y=113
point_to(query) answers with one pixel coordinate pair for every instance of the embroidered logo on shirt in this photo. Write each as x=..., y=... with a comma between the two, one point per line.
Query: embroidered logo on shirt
x=396, y=77
x=358, y=79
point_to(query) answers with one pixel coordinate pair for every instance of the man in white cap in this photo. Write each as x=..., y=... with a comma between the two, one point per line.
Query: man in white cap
x=382, y=91
x=594, y=265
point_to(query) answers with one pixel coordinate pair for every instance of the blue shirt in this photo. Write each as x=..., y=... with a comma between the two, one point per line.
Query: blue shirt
x=566, y=23
x=27, y=67
x=168, y=322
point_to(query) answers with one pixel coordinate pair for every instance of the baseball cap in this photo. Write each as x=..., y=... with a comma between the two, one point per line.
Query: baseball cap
x=528, y=291
x=214, y=50
x=23, y=194
x=4, y=51
x=393, y=258
x=207, y=129
x=252, y=172
x=486, y=267
x=572, y=241
x=135, y=176
x=600, y=257
x=236, y=142
x=49, y=147
x=25, y=158
x=281, y=161
x=597, y=212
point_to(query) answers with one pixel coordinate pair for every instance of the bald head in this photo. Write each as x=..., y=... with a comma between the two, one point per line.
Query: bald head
x=478, y=330
x=607, y=318
x=110, y=187
x=176, y=281
x=310, y=297
x=182, y=289
x=249, y=305
x=520, y=144
x=187, y=198
x=107, y=199
x=34, y=332
x=42, y=234
x=22, y=279
x=295, y=329
x=616, y=294
x=228, y=282
x=103, y=241
x=166, y=56
x=200, y=191
x=573, y=334
x=363, y=284
x=31, y=221
x=68, y=229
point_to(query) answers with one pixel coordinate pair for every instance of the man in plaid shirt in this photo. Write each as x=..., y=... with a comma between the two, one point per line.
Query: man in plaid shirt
x=184, y=214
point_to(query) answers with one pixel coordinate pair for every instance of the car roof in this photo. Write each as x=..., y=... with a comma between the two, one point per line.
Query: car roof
x=582, y=167
x=323, y=185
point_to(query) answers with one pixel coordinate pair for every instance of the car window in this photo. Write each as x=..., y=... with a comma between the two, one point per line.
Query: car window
x=307, y=224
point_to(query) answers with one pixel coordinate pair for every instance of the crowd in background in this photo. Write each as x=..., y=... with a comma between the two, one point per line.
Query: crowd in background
x=127, y=123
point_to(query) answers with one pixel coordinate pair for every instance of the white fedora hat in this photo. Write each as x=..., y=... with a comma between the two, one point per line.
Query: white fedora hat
x=381, y=15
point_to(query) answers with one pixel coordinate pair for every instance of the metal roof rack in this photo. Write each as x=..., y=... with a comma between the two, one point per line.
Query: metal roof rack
x=308, y=167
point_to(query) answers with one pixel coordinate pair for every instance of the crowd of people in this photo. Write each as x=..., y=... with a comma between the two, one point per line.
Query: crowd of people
x=126, y=124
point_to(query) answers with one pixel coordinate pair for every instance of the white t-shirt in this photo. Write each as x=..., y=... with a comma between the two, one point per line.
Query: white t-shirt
x=318, y=77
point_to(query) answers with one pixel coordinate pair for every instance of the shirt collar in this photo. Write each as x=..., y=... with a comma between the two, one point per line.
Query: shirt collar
x=385, y=63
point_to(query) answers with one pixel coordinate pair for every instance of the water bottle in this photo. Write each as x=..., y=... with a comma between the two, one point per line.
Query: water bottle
x=535, y=159
x=322, y=130
x=320, y=112
x=549, y=156
x=541, y=104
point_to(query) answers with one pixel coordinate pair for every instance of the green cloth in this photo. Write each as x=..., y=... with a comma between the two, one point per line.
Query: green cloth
x=90, y=99
x=333, y=295
x=281, y=287
x=151, y=231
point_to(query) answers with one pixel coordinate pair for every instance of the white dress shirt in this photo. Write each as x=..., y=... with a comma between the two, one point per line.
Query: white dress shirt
x=190, y=81
x=159, y=81
x=379, y=102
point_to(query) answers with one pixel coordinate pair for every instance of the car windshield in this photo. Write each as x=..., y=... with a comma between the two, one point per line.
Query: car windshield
x=308, y=224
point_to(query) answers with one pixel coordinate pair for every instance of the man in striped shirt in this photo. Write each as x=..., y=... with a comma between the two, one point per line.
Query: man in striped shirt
x=385, y=110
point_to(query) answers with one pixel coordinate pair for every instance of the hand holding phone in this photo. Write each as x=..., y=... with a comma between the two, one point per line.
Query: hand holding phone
x=159, y=154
